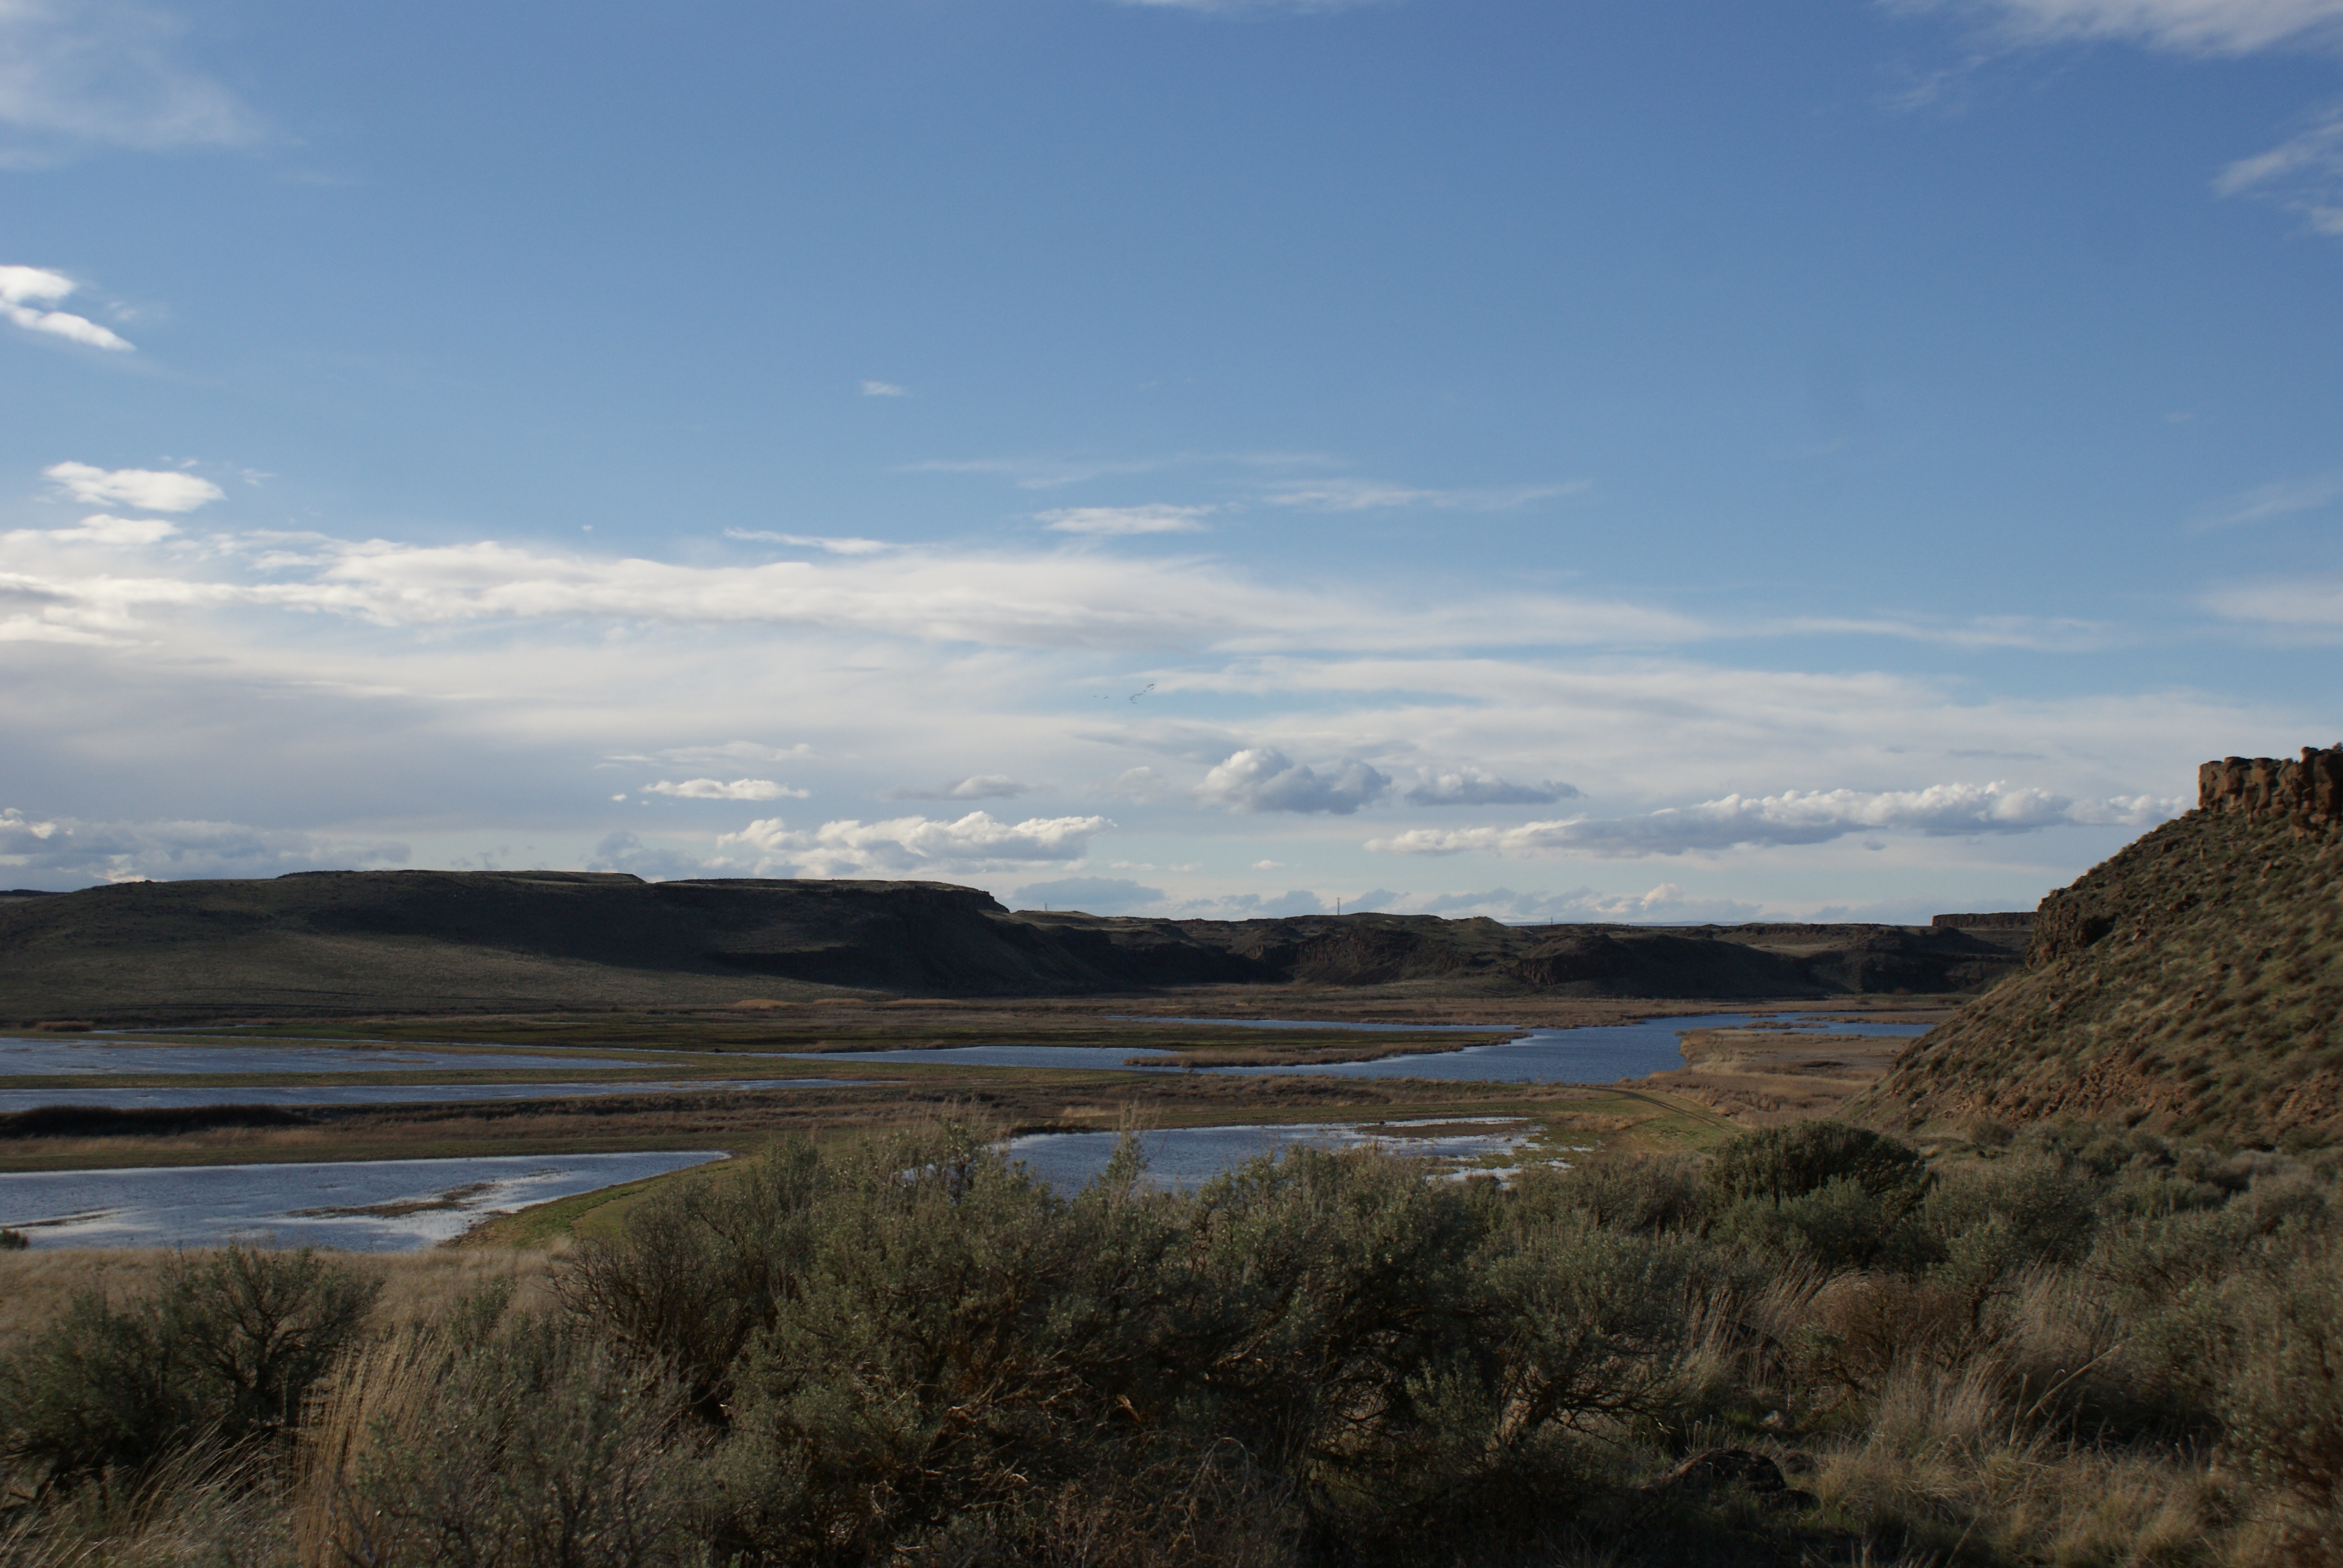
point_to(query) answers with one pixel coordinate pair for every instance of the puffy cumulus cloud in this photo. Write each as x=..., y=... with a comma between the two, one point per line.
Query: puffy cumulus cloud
x=920, y=845
x=1090, y=895
x=148, y=489
x=1153, y=519
x=723, y=789
x=102, y=530
x=1813, y=816
x=27, y=292
x=63, y=851
x=2186, y=26
x=975, y=787
x=1474, y=787
x=1263, y=778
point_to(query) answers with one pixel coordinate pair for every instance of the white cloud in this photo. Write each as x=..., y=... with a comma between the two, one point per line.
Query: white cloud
x=976, y=786
x=884, y=390
x=65, y=850
x=145, y=489
x=920, y=845
x=1812, y=817
x=2186, y=26
x=1477, y=787
x=101, y=529
x=1150, y=520
x=25, y=290
x=835, y=545
x=1370, y=495
x=719, y=789
x=1263, y=778
x=104, y=71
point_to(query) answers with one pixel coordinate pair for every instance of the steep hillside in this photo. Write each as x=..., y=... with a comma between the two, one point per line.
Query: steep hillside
x=2192, y=982
x=447, y=941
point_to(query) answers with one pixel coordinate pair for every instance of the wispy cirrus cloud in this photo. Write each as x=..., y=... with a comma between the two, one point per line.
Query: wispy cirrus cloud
x=1793, y=817
x=832, y=544
x=110, y=72
x=2303, y=174
x=1148, y=519
x=1350, y=495
x=884, y=390
x=2182, y=26
x=27, y=298
x=2282, y=498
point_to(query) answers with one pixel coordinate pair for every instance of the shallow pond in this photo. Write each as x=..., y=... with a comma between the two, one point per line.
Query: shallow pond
x=365, y=1206
x=1595, y=1053
x=120, y=1099
x=43, y=1057
x=1183, y=1158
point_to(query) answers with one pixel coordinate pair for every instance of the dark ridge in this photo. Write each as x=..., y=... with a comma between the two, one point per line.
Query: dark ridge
x=2007, y=921
x=324, y=943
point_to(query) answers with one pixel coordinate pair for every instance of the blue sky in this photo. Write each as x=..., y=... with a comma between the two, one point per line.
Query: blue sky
x=1661, y=461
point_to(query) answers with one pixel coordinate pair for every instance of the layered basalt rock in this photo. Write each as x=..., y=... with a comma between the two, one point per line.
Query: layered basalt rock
x=2306, y=791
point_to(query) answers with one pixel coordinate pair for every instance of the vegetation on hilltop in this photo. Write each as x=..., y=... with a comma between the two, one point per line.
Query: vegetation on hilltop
x=2192, y=983
x=1814, y=1349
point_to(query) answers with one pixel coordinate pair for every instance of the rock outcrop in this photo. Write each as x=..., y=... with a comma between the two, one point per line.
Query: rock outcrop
x=2306, y=791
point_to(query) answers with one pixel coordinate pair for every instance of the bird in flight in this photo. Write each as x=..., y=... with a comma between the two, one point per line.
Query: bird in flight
x=1142, y=691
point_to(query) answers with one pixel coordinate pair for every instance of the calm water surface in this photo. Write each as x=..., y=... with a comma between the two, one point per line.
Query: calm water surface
x=365, y=1206
x=1597, y=1053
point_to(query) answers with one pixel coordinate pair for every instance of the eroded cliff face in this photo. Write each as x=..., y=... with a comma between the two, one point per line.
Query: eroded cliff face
x=2191, y=982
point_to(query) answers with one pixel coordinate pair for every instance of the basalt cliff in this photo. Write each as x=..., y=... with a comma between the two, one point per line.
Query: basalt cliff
x=2191, y=983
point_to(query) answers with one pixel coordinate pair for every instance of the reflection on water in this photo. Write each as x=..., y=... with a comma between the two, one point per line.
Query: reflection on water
x=1317, y=1023
x=365, y=1206
x=1183, y=1158
x=1595, y=1053
x=42, y=1058
x=116, y=1099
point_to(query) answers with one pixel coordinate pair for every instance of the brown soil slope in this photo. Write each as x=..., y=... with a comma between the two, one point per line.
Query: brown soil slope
x=446, y=942
x=2193, y=983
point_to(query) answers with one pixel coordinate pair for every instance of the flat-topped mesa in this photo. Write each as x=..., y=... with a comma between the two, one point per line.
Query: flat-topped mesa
x=2310, y=791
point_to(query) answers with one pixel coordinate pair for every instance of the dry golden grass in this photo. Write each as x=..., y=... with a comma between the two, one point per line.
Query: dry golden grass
x=416, y=1286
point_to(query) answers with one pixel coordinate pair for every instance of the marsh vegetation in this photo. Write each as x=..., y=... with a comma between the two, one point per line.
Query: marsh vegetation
x=2069, y=1348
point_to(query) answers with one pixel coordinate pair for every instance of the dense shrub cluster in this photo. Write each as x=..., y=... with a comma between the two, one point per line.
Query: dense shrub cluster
x=2103, y=1351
